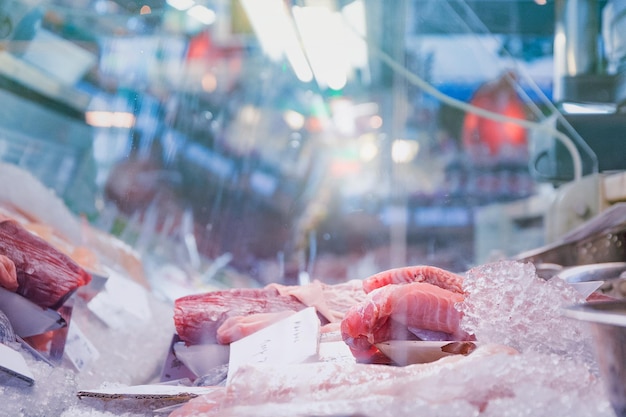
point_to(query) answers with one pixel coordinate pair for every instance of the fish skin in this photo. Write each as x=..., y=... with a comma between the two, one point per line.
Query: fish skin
x=419, y=273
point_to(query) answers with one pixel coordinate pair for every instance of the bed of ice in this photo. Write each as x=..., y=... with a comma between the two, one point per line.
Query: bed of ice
x=130, y=354
x=554, y=374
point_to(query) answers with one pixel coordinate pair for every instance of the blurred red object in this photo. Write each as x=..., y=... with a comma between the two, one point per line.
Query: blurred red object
x=490, y=137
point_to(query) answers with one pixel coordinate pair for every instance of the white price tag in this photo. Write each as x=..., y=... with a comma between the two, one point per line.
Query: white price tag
x=120, y=299
x=13, y=364
x=294, y=339
x=78, y=349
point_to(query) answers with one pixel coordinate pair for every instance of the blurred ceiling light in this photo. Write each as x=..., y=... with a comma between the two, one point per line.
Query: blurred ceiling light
x=587, y=108
x=294, y=119
x=365, y=109
x=369, y=149
x=209, y=82
x=403, y=150
x=376, y=122
x=325, y=49
x=354, y=19
x=277, y=35
x=202, y=14
x=145, y=9
x=110, y=119
x=181, y=4
x=343, y=115
x=249, y=114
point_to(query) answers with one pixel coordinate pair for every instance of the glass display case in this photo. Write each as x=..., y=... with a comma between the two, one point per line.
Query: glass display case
x=288, y=148
x=199, y=146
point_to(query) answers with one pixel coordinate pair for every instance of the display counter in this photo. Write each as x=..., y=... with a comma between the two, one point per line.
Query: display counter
x=303, y=208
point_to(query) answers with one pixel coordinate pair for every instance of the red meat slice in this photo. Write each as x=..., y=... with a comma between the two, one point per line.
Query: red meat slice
x=197, y=317
x=45, y=275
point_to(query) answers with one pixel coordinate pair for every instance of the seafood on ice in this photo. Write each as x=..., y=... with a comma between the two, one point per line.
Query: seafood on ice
x=35, y=269
x=224, y=316
x=527, y=358
x=198, y=317
x=416, y=310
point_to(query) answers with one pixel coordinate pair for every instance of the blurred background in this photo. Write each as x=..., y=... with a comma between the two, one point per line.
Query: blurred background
x=242, y=142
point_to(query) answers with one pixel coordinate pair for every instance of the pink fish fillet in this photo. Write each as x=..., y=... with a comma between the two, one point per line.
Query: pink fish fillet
x=8, y=274
x=421, y=273
x=392, y=311
x=238, y=327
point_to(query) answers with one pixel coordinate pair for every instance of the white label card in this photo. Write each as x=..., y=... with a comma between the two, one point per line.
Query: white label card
x=120, y=299
x=13, y=363
x=78, y=349
x=294, y=339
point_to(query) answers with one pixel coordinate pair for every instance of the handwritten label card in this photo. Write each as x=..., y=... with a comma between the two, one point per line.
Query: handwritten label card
x=294, y=339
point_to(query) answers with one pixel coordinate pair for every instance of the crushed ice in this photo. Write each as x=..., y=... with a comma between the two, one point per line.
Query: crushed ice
x=508, y=303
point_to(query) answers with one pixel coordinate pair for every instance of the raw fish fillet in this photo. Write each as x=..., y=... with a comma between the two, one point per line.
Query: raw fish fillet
x=235, y=328
x=8, y=274
x=392, y=311
x=197, y=317
x=421, y=273
x=45, y=275
x=331, y=301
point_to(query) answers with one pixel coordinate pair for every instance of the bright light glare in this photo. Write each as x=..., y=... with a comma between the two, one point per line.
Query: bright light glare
x=326, y=49
x=181, y=4
x=403, y=151
x=202, y=14
x=294, y=119
x=343, y=115
x=376, y=122
x=249, y=115
x=209, y=82
x=369, y=149
x=354, y=16
x=110, y=119
x=277, y=35
x=582, y=108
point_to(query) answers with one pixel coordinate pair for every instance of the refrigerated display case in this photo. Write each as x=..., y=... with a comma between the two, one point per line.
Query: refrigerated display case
x=207, y=161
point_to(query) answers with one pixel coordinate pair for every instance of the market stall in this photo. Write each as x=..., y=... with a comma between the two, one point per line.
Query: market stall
x=311, y=208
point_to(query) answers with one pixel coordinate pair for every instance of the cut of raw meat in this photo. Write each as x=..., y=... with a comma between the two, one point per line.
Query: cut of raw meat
x=8, y=274
x=235, y=328
x=421, y=273
x=393, y=311
x=197, y=317
x=45, y=275
x=331, y=301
